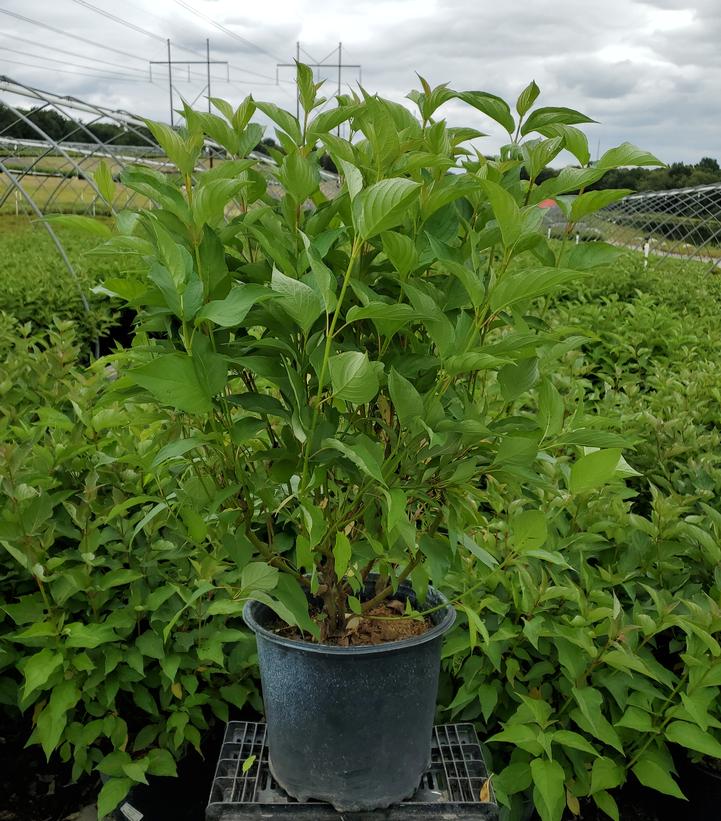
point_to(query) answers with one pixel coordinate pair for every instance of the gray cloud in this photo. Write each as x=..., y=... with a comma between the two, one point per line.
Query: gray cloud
x=647, y=71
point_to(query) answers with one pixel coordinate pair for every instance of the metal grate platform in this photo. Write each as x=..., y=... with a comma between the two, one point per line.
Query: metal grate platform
x=449, y=791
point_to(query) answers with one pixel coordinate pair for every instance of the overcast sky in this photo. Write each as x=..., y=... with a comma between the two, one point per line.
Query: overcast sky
x=649, y=72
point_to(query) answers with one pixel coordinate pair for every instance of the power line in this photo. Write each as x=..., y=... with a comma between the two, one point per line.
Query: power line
x=128, y=24
x=79, y=73
x=73, y=36
x=226, y=30
x=76, y=55
x=139, y=29
x=119, y=20
x=64, y=62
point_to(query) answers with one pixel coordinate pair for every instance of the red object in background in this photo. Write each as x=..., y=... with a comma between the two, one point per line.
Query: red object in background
x=546, y=203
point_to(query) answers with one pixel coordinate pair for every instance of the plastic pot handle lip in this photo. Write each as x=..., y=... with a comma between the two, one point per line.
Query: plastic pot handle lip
x=438, y=630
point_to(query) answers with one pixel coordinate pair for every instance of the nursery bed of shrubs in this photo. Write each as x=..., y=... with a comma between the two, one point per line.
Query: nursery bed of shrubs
x=588, y=591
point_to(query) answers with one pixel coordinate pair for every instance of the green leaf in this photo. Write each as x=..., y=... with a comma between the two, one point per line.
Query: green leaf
x=39, y=668
x=258, y=576
x=353, y=178
x=520, y=735
x=88, y=635
x=527, y=98
x=299, y=175
x=475, y=626
x=549, y=794
x=183, y=153
x=234, y=308
x=693, y=738
x=283, y=119
x=567, y=738
x=529, y=530
x=176, y=449
x=393, y=312
x=506, y=212
x=104, y=181
x=136, y=770
x=518, y=378
x=587, y=255
x=211, y=199
x=326, y=121
x=530, y=284
x=654, y=773
x=172, y=379
x=112, y=793
x=301, y=302
x=482, y=555
x=592, y=201
x=626, y=154
x=574, y=140
x=435, y=549
x=383, y=205
x=550, y=409
x=360, y=455
x=396, y=502
x=161, y=762
x=472, y=361
x=291, y=595
x=306, y=89
x=325, y=279
x=150, y=644
x=406, y=400
x=543, y=117
x=401, y=251
x=353, y=377
x=590, y=702
x=88, y=225
x=537, y=154
x=607, y=803
x=594, y=469
x=606, y=774
x=490, y=105
x=342, y=552
x=51, y=722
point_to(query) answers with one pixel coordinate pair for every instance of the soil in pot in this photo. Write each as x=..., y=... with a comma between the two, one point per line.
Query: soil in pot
x=381, y=624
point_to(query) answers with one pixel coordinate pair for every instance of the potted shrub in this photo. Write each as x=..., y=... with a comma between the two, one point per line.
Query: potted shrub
x=325, y=357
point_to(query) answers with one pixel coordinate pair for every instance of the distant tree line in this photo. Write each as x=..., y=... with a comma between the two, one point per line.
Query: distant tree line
x=676, y=175
x=58, y=127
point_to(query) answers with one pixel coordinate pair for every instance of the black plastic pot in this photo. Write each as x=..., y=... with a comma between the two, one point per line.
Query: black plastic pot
x=350, y=725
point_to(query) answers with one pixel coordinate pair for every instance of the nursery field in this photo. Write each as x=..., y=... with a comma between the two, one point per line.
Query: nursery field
x=313, y=417
x=645, y=359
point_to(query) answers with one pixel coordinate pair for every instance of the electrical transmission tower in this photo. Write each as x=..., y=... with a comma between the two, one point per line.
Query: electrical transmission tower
x=170, y=63
x=340, y=65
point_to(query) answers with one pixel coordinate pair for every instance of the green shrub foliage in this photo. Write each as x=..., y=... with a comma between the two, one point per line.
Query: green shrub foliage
x=379, y=380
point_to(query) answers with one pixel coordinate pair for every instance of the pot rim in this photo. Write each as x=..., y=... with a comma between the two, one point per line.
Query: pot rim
x=438, y=630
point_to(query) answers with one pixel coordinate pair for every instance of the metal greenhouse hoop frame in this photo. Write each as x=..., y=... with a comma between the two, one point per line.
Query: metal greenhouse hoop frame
x=682, y=224
x=67, y=183
x=44, y=175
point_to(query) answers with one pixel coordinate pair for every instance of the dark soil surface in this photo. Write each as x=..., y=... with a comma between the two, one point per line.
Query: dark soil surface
x=32, y=789
x=382, y=624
